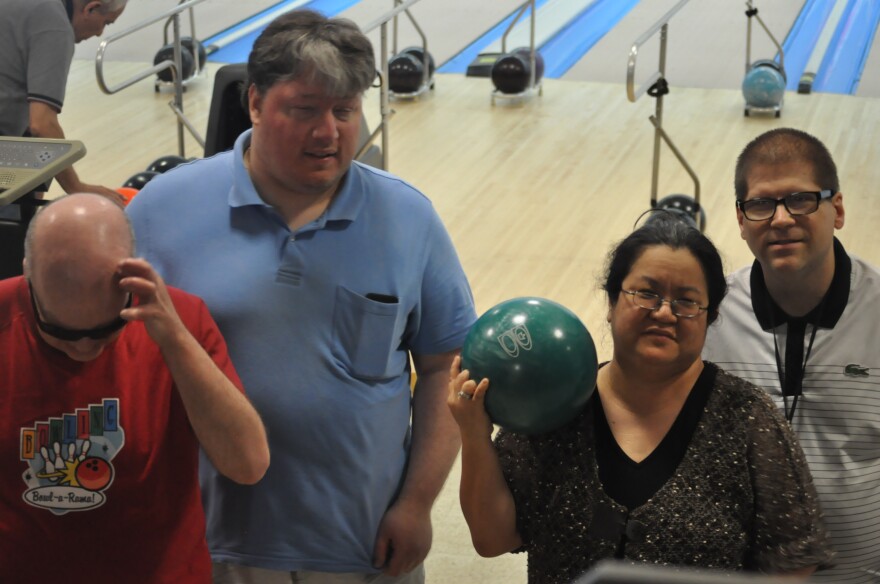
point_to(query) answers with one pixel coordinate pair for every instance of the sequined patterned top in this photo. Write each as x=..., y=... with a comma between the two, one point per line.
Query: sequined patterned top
x=741, y=498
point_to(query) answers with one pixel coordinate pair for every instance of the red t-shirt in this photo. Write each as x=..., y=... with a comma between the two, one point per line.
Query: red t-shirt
x=118, y=499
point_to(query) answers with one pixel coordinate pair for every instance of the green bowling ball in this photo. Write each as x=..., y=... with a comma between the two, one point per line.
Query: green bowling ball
x=540, y=361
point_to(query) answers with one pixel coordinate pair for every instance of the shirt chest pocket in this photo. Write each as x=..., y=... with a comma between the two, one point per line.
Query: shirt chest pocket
x=367, y=335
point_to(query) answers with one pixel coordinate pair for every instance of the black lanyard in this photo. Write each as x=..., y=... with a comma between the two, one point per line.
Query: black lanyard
x=791, y=376
x=794, y=387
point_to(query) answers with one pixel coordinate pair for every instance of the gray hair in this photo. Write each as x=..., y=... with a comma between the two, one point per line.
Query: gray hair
x=106, y=5
x=112, y=5
x=303, y=44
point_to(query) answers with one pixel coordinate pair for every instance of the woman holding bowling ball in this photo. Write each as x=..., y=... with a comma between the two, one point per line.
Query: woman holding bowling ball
x=672, y=460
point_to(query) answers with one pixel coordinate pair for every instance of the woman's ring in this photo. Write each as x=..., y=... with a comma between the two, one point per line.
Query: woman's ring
x=465, y=395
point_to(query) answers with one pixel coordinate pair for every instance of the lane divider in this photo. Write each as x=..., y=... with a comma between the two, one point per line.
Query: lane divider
x=844, y=62
x=565, y=32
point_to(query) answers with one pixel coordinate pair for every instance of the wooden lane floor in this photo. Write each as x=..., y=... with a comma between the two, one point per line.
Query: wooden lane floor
x=533, y=194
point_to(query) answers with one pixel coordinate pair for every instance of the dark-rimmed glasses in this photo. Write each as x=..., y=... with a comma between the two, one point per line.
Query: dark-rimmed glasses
x=681, y=307
x=802, y=203
x=73, y=335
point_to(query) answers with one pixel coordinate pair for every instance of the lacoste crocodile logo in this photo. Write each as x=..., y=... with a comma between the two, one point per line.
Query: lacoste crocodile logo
x=855, y=370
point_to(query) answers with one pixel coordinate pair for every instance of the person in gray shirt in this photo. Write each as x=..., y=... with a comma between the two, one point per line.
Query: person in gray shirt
x=37, y=39
x=801, y=322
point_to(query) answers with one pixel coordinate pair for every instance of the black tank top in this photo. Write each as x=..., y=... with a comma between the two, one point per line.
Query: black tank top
x=632, y=483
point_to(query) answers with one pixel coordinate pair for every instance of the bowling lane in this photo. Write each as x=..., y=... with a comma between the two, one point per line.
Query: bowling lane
x=869, y=84
x=706, y=44
x=210, y=18
x=449, y=24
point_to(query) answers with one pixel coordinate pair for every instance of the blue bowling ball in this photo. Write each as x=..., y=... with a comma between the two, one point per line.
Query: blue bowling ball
x=763, y=86
x=540, y=361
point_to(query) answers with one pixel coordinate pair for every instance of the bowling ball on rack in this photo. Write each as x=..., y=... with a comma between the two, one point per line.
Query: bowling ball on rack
x=524, y=53
x=405, y=73
x=685, y=208
x=139, y=180
x=764, y=85
x=197, y=49
x=187, y=62
x=540, y=361
x=419, y=54
x=406, y=70
x=511, y=73
x=166, y=163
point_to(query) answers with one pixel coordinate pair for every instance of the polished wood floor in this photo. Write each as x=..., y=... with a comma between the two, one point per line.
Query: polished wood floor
x=533, y=194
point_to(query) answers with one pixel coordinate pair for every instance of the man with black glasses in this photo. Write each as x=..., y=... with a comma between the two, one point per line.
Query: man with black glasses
x=802, y=322
x=109, y=384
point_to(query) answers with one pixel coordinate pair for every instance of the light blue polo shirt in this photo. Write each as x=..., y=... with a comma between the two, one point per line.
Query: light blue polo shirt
x=325, y=365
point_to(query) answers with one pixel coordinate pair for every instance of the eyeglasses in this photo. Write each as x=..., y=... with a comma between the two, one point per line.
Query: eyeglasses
x=651, y=301
x=796, y=204
x=73, y=335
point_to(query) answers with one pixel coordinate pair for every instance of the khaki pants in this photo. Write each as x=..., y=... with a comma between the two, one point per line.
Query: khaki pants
x=234, y=574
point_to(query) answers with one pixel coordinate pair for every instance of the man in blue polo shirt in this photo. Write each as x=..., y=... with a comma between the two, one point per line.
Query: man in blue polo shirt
x=324, y=276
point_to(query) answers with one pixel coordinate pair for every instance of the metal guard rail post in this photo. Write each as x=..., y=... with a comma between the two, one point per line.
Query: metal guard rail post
x=681, y=159
x=656, y=86
x=382, y=24
x=528, y=4
x=192, y=25
x=750, y=12
x=177, y=104
x=634, y=94
x=426, y=72
x=175, y=65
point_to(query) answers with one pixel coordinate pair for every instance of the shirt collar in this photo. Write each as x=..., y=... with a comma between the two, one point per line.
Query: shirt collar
x=827, y=312
x=243, y=193
x=349, y=200
x=345, y=206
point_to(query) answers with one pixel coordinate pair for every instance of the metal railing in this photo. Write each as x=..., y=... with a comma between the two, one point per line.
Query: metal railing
x=528, y=4
x=751, y=11
x=384, y=98
x=656, y=86
x=426, y=71
x=533, y=87
x=192, y=24
x=175, y=65
x=662, y=26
